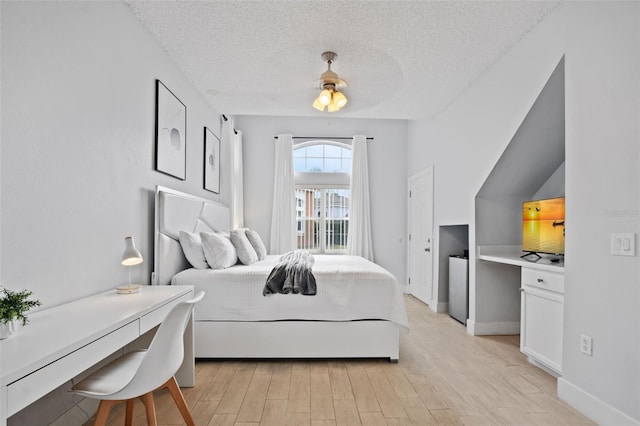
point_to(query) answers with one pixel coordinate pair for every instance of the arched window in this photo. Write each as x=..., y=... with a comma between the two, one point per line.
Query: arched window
x=322, y=157
x=322, y=174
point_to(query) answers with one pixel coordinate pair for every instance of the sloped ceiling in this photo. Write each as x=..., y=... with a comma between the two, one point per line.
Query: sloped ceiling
x=537, y=148
x=401, y=59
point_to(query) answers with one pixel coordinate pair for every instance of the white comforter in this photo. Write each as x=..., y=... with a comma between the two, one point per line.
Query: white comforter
x=349, y=288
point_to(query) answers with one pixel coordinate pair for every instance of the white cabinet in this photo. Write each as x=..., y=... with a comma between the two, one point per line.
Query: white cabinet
x=541, y=318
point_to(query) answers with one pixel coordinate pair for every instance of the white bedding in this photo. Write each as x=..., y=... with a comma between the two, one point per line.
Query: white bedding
x=349, y=288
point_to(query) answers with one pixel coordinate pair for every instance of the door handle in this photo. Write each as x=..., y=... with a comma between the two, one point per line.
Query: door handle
x=427, y=249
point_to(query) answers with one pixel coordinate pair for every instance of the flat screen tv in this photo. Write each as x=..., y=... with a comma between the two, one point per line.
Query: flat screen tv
x=543, y=226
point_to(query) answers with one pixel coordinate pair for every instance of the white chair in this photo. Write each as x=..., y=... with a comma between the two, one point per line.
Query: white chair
x=137, y=374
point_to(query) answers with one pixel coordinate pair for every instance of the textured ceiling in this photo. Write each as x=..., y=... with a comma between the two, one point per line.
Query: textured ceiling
x=400, y=59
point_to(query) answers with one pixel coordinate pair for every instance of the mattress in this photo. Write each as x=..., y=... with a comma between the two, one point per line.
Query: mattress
x=349, y=288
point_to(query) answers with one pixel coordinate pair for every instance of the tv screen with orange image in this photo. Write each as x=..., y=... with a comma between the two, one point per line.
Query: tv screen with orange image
x=543, y=226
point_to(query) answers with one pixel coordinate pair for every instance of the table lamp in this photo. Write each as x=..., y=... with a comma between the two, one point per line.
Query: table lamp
x=130, y=257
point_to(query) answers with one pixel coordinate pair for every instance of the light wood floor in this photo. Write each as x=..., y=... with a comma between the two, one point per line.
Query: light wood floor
x=444, y=376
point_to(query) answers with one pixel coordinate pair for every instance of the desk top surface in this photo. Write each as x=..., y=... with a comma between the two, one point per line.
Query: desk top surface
x=55, y=332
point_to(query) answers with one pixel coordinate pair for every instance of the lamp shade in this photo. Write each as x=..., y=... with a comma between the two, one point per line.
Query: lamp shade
x=340, y=99
x=131, y=255
x=325, y=97
x=317, y=105
x=332, y=107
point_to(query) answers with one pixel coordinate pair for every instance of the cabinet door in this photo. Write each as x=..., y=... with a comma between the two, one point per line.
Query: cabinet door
x=541, y=326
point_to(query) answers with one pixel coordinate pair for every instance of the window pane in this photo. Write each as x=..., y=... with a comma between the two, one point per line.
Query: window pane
x=323, y=219
x=323, y=158
x=315, y=150
x=337, y=212
x=332, y=151
x=308, y=225
x=298, y=164
x=332, y=165
x=314, y=165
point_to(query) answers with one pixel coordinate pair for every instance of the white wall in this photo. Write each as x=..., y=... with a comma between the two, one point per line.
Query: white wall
x=602, y=292
x=387, y=176
x=602, y=297
x=554, y=186
x=78, y=108
x=466, y=140
x=77, y=153
x=1, y=72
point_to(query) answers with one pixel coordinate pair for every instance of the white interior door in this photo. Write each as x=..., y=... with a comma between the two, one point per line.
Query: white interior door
x=421, y=236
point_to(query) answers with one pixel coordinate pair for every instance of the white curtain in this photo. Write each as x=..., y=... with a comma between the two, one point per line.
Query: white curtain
x=237, y=184
x=283, y=221
x=226, y=163
x=359, y=240
x=231, y=182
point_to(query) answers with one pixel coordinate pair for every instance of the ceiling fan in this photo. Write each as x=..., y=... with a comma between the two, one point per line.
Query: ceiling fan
x=329, y=96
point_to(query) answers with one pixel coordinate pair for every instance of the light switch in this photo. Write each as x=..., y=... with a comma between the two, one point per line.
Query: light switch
x=623, y=244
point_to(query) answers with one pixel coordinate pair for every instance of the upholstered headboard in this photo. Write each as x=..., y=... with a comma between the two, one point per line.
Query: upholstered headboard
x=177, y=211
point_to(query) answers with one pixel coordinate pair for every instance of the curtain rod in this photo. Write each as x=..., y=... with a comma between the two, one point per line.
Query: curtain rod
x=324, y=137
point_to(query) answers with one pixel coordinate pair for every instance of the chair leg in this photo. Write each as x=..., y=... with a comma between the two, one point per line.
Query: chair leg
x=147, y=400
x=128, y=419
x=176, y=393
x=103, y=412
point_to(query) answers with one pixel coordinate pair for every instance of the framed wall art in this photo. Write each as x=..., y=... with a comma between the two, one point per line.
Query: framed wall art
x=171, y=133
x=211, y=161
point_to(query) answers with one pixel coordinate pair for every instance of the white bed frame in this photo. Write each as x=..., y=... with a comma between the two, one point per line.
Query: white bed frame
x=177, y=211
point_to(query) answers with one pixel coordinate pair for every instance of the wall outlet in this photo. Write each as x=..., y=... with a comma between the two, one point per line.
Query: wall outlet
x=586, y=344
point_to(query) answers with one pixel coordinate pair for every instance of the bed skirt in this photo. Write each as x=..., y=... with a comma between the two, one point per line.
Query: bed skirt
x=297, y=339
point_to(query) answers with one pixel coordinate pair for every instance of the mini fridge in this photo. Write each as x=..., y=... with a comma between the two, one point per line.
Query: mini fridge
x=459, y=288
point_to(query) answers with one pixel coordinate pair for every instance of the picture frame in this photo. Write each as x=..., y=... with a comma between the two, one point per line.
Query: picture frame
x=171, y=133
x=211, y=161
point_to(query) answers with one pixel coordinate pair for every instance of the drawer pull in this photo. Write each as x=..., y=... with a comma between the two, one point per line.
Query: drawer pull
x=540, y=280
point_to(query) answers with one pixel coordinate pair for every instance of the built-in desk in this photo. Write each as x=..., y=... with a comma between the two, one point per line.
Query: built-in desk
x=61, y=342
x=511, y=255
x=541, y=305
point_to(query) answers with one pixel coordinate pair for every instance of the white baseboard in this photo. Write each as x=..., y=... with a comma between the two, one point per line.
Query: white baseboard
x=493, y=328
x=597, y=410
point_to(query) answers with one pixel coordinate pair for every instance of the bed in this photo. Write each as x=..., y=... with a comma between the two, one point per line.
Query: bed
x=358, y=311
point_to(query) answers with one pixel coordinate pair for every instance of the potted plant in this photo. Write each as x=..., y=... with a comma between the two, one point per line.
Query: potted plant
x=13, y=307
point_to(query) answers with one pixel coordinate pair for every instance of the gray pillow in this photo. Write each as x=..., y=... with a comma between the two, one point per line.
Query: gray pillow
x=246, y=253
x=218, y=250
x=192, y=248
x=256, y=243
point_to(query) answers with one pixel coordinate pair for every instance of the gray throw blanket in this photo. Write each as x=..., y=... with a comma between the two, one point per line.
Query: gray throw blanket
x=292, y=274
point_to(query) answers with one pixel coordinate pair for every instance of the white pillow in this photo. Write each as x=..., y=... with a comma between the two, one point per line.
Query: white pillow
x=246, y=253
x=256, y=243
x=192, y=248
x=218, y=250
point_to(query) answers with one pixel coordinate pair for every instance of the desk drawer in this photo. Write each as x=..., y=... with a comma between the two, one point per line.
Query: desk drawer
x=543, y=279
x=37, y=384
x=155, y=317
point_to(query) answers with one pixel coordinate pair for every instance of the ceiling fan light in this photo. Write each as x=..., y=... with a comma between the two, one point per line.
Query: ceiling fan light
x=317, y=105
x=340, y=99
x=333, y=106
x=329, y=96
x=325, y=97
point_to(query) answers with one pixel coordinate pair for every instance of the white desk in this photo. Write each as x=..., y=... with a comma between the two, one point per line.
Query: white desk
x=61, y=342
x=511, y=255
x=541, y=305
